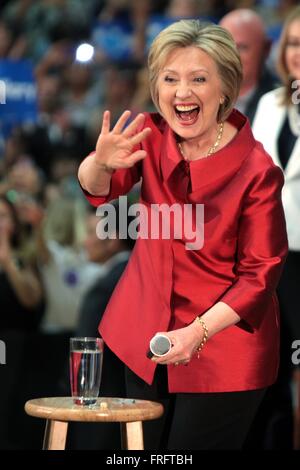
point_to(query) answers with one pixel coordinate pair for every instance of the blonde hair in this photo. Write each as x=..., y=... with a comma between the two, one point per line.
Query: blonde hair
x=210, y=38
x=281, y=62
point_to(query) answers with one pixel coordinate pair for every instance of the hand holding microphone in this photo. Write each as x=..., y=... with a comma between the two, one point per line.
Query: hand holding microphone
x=178, y=348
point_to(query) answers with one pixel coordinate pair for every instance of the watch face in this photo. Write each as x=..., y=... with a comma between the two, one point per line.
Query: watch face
x=160, y=345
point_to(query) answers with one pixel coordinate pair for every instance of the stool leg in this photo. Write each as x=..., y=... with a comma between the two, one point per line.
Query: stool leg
x=132, y=435
x=55, y=435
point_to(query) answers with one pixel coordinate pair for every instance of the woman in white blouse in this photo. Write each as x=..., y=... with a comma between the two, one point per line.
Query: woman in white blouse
x=277, y=126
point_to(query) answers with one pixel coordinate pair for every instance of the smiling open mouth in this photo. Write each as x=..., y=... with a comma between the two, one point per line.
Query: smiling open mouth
x=188, y=113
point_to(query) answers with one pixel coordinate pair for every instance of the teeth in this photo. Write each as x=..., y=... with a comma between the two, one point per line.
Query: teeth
x=183, y=108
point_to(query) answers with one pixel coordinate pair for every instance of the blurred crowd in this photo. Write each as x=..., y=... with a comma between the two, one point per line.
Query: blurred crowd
x=54, y=270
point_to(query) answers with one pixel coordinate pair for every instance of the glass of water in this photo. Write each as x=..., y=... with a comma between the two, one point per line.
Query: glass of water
x=86, y=356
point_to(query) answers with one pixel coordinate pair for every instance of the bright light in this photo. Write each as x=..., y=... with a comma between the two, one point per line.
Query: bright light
x=84, y=52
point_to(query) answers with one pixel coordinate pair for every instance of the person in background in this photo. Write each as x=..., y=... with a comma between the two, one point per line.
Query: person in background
x=120, y=85
x=248, y=31
x=112, y=254
x=63, y=265
x=214, y=300
x=21, y=297
x=20, y=283
x=81, y=96
x=277, y=126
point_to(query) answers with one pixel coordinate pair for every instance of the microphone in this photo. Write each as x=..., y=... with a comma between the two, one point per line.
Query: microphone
x=160, y=345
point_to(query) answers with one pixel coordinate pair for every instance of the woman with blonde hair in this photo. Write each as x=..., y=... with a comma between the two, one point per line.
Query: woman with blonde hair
x=216, y=301
x=277, y=126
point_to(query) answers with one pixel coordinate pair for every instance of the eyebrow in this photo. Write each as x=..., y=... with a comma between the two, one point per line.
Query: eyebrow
x=193, y=71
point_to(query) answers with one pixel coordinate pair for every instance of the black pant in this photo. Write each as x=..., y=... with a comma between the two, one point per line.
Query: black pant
x=195, y=421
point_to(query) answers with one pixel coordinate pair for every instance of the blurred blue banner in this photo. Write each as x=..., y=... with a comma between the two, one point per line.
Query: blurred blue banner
x=18, y=104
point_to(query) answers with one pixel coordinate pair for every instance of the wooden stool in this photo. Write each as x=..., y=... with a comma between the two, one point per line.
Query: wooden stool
x=58, y=411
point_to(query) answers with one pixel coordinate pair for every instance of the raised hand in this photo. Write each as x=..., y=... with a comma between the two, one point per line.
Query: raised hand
x=116, y=148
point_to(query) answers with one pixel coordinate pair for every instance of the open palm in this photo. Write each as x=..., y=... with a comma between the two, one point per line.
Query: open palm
x=118, y=148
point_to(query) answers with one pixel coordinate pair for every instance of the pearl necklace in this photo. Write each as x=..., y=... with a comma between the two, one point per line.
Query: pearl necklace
x=214, y=147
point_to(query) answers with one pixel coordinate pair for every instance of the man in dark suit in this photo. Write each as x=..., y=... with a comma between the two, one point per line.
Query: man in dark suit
x=248, y=31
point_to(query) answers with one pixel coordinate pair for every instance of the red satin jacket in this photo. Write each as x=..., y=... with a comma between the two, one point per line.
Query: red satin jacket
x=165, y=286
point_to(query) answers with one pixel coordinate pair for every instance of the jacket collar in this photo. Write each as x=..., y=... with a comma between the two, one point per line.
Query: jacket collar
x=207, y=170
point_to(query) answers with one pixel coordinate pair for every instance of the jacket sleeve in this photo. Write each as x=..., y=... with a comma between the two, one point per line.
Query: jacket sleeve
x=121, y=182
x=262, y=248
